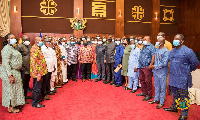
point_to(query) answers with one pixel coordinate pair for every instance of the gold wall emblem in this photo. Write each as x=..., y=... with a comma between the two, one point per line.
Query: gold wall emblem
x=48, y=7
x=98, y=9
x=137, y=12
x=165, y=18
x=78, y=24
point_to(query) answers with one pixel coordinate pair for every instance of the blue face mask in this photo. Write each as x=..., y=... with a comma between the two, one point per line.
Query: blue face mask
x=136, y=41
x=72, y=43
x=40, y=44
x=104, y=40
x=133, y=46
x=145, y=43
x=140, y=42
x=13, y=41
x=176, y=43
x=68, y=43
x=158, y=44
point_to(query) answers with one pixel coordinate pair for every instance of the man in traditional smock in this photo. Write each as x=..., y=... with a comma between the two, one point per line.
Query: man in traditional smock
x=182, y=62
x=160, y=71
x=133, y=64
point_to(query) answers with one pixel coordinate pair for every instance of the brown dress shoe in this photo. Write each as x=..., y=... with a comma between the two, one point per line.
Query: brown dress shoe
x=153, y=102
x=46, y=97
x=159, y=106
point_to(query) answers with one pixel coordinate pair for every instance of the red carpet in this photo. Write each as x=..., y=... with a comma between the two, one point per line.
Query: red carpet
x=95, y=101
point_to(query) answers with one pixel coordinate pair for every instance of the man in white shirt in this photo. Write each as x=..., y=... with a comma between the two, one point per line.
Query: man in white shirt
x=48, y=53
x=64, y=61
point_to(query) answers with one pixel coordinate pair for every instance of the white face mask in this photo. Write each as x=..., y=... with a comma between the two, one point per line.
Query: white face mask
x=27, y=43
x=158, y=36
x=100, y=42
x=95, y=42
x=13, y=41
x=98, y=38
x=104, y=40
x=88, y=39
x=71, y=37
x=117, y=42
x=145, y=42
x=83, y=38
x=131, y=39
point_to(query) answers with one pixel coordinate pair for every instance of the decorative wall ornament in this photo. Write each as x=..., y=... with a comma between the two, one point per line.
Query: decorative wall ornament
x=48, y=7
x=165, y=18
x=99, y=9
x=78, y=24
x=137, y=12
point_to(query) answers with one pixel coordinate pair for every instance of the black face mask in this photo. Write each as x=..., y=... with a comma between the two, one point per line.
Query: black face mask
x=110, y=40
x=125, y=44
x=85, y=44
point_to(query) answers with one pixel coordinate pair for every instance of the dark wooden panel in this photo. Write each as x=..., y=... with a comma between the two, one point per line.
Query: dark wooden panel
x=1, y=47
x=15, y=17
x=189, y=23
x=155, y=25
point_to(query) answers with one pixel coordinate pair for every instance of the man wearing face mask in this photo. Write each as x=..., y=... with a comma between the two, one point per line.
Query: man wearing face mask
x=78, y=71
x=89, y=40
x=146, y=60
x=140, y=43
x=85, y=58
x=104, y=40
x=38, y=69
x=160, y=71
x=64, y=60
x=100, y=52
x=118, y=61
x=133, y=64
x=48, y=53
x=167, y=44
x=182, y=62
x=72, y=57
x=24, y=48
x=110, y=60
x=94, y=64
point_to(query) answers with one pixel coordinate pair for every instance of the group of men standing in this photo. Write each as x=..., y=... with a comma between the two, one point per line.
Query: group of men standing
x=54, y=60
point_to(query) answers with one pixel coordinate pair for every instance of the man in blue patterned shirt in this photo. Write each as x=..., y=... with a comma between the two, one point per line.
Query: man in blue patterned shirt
x=146, y=60
x=182, y=62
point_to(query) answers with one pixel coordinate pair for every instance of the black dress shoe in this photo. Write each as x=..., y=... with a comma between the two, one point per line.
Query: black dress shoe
x=141, y=94
x=170, y=109
x=74, y=80
x=132, y=91
x=50, y=93
x=182, y=118
x=112, y=83
x=96, y=81
x=146, y=98
x=38, y=106
x=128, y=88
x=104, y=82
x=117, y=85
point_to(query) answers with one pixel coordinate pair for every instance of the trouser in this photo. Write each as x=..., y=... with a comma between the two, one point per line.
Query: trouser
x=52, y=81
x=145, y=76
x=37, y=86
x=160, y=84
x=71, y=71
x=110, y=72
x=101, y=68
x=180, y=96
x=25, y=81
x=86, y=70
x=118, y=77
x=133, y=82
x=64, y=72
x=46, y=84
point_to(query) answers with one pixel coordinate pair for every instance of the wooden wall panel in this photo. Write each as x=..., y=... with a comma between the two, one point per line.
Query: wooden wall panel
x=78, y=4
x=15, y=17
x=189, y=23
x=155, y=25
x=119, y=22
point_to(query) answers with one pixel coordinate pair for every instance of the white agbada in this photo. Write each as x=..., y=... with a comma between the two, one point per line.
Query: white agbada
x=64, y=67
